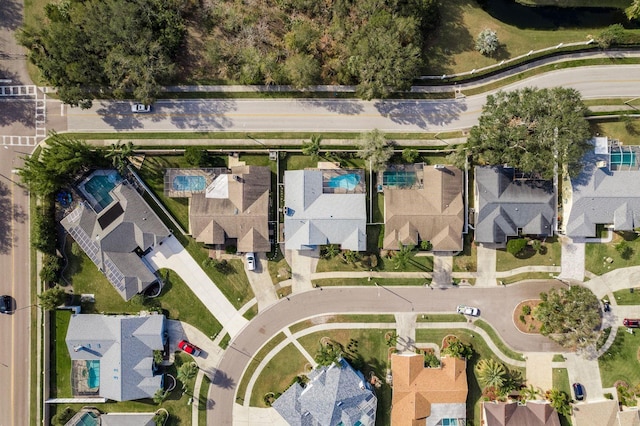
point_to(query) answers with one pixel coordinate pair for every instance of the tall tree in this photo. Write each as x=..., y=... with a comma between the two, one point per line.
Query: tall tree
x=560, y=401
x=119, y=154
x=117, y=46
x=312, y=146
x=52, y=298
x=187, y=371
x=491, y=373
x=633, y=11
x=374, y=147
x=569, y=316
x=532, y=130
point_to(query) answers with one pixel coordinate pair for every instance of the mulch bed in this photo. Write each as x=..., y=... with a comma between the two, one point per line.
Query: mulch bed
x=530, y=324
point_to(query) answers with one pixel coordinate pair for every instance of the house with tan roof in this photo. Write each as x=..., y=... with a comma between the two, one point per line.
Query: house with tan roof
x=533, y=413
x=604, y=413
x=226, y=206
x=424, y=203
x=428, y=396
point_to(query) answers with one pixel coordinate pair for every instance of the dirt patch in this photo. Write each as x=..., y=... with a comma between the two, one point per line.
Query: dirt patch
x=523, y=317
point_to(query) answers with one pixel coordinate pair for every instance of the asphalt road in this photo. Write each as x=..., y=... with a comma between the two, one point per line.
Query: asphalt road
x=326, y=115
x=496, y=306
x=14, y=264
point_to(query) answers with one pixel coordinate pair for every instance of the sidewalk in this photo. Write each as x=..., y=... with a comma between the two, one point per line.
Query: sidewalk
x=172, y=255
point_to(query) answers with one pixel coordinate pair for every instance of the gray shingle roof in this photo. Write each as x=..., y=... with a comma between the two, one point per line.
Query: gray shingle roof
x=602, y=196
x=335, y=395
x=316, y=217
x=112, y=248
x=124, y=346
x=505, y=205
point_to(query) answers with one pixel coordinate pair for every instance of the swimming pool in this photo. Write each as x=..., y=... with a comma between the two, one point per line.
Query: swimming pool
x=99, y=186
x=93, y=370
x=349, y=181
x=399, y=178
x=623, y=158
x=87, y=419
x=189, y=183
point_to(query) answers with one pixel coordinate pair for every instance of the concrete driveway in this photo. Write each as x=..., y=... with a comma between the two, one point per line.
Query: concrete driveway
x=587, y=373
x=261, y=282
x=172, y=255
x=211, y=352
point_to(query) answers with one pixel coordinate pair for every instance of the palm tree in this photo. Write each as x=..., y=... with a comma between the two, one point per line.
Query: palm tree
x=312, y=147
x=560, y=401
x=160, y=396
x=491, y=373
x=187, y=372
x=530, y=393
x=402, y=257
x=119, y=154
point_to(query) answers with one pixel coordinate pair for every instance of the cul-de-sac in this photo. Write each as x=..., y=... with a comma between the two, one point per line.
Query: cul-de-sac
x=320, y=213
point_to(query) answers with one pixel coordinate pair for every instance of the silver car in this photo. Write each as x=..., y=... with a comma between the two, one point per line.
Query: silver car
x=140, y=108
x=468, y=310
x=251, y=261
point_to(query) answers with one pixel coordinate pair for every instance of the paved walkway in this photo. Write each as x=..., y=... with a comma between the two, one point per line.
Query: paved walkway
x=572, y=260
x=406, y=331
x=172, y=255
x=442, y=267
x=486, y=257
x=261, y=283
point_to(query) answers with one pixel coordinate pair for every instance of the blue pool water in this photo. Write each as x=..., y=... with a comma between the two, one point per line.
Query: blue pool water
x=399, y=178
x=88, y=419
x=99, y=187
x=93, y=369
x=349, y=181
x=189, y=183
x=623, y=158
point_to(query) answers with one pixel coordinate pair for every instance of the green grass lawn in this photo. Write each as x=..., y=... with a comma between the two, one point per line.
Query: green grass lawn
x=474, y=397
x=384, y=318
x=175, y=404
x=467, y=260
x=279, y=269
x=453, y=45
x=203, y=401
x=560, y=380
x=415, y=264
x=498, y=341
x=620, y=362
x=253, y=364
x=384, y=282
x=626, y=131
x=527, y=276
x=177, y=300
x=373, y=348
x=441, y=318
x=506, y=261
x=60, y=364
x=596, y=253
x=625, y=297
x=278, y=374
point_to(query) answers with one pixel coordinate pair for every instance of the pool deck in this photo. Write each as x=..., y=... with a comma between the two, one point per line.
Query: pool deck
x=209, y=174
x=328, y=174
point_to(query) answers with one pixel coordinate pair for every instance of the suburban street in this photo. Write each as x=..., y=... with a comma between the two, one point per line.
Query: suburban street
x=332, y=115
x=14, y=263
x=496, y=306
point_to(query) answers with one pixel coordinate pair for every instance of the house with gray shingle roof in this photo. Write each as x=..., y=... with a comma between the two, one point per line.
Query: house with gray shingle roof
x=325, y=207
x=606, y=192
x=336, y=395
x=116, y=235
x=508, y=205
x=123, y=345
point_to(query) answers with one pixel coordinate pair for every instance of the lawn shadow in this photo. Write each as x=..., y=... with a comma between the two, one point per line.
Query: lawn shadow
x=424, y=115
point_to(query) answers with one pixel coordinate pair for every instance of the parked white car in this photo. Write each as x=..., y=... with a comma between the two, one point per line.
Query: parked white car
x=468, y=310
x=251, y=261
x=140, y=108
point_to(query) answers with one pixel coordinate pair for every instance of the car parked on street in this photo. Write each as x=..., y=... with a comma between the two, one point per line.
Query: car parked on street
x=140, y=108
x=251, y=261
x=6, y=304
x=578, y=391
x=189, y=348
x=631, y=322
x=468, y=310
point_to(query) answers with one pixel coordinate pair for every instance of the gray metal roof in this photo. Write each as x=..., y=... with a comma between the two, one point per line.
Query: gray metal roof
x=602, y=196
x=506, y=205
x=124, y=346
x=335, y=395
x=315, y=217
x=112, y=249
x=127, y=419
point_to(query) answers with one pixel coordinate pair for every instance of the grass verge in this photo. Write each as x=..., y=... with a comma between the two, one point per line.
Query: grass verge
x=327, y=319
x=498, y=341
x=560, y=380
x=383, y=282
x=203, y=401
x=251, y=367
x=628, y=296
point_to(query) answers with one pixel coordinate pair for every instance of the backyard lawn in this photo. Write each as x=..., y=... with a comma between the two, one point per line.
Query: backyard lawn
x=278, y=374
x=474, y=397
x=550, y=256
x=60, y=363
x=177, y=299
x=176, y=403
x=597, y=253
x=372, y=346
x=620, y=362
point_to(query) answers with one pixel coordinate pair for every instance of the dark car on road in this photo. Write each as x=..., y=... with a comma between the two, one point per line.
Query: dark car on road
x=189, y=348
x=6, y=304
x=578, y=391
x=631, y=322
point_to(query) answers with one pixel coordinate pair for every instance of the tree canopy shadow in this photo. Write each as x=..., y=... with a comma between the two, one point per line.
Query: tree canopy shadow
x=423, y=114
x=341, y=106
x=18, y=111
x=11, y=14
x=6, y=238
x=197, y=115
x=221, y=379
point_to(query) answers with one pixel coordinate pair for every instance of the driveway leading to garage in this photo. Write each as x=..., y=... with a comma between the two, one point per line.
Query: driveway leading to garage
x=587, y=373
x=572, y=260
x=172, y=255
x=261, y=283
x=211, y=352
